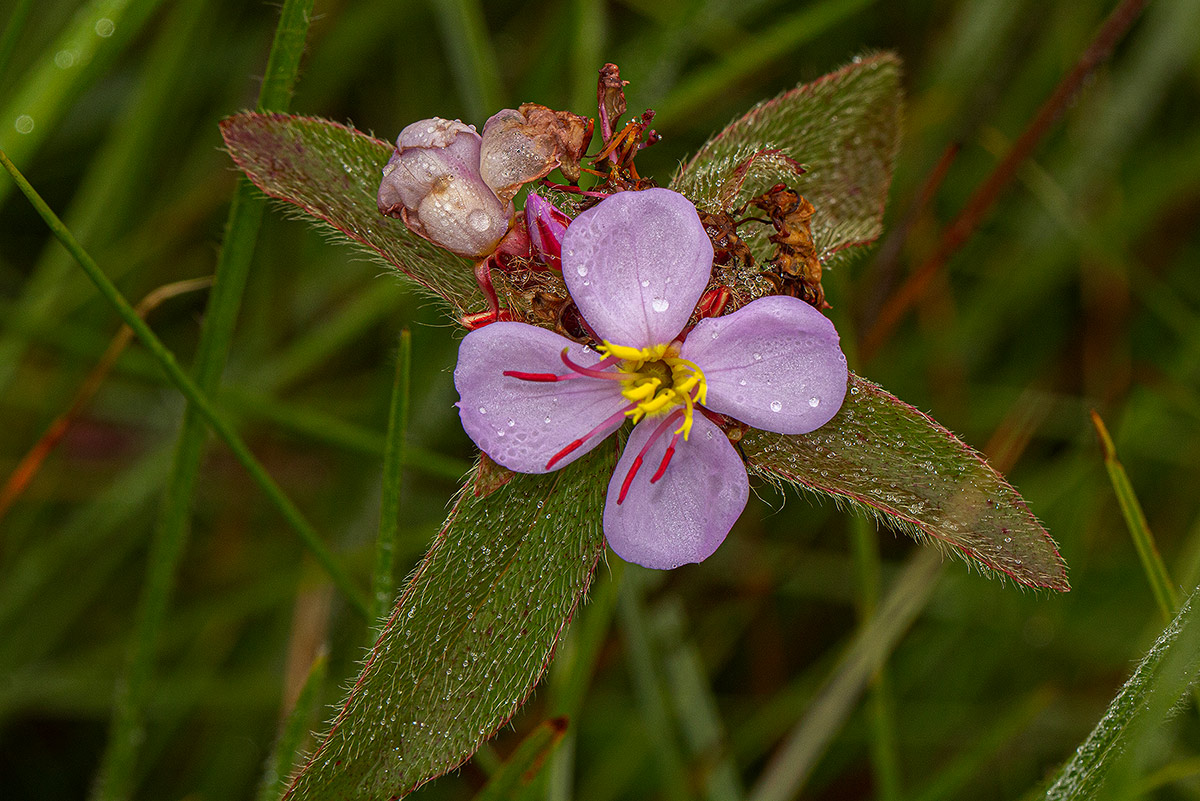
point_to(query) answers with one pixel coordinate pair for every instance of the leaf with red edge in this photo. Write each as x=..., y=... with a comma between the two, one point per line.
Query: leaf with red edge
x=332, y=173
x=472, y=633
x=843, y=127
x=888, y=458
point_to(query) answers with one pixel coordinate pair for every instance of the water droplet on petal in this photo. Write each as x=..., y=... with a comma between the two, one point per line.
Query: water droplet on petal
x=24, y=124
x=814, y=402
x=547, y=418
x=499, y=433
x=511, y=423
x=479, y=220
x=758, y=357
x=645, y=283
x=582, y=270
x=660, y=304
x=483, y=410
x=742, y=383
x=776, y=406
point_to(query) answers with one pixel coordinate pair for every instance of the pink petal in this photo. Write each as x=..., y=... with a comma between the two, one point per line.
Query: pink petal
x=523, y=424
x=636, y=265
x=685, y=515
x=774, y=364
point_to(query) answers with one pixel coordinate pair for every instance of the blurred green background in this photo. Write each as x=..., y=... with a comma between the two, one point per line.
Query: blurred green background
x=1079, y=291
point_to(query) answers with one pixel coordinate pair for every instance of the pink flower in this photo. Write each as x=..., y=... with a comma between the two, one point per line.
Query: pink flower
x=636, y=265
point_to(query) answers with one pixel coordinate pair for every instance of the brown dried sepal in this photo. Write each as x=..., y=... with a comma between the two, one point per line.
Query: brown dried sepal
x=795, y=268
x=527, y=143
x=610, y=98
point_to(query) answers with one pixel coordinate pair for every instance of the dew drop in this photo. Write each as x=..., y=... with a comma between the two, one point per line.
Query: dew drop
x=758, y=357
x=581, y=269
x=814, y=402
x=660, y=304
x=499, y=433
x=776, y=406
x=479, y=220
x=645, y=283
x=511, y=423
x=105, y=27
x=714, y=334
x=483, y=410
x=547, y=418
x=24, y=124
x=742, y=383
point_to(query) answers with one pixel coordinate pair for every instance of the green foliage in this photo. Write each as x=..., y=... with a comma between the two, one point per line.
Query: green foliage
x=887, y=458
x=844, y=129
x=471, y=635
x=1077, y=292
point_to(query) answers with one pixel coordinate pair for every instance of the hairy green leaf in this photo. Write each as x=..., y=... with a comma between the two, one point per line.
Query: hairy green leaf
x=896, y=462
x=471, y=635
x=332, y=172
x=844, y=128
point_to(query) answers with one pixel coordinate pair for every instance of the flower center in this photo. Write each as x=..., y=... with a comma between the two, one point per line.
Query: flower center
x=658, y=381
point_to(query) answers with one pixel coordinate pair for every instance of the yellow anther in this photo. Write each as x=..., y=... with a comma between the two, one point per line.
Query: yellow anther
x=659, y=382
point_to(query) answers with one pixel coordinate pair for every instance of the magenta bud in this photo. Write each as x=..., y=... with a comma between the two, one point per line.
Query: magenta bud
x=547, y=225
x=432, y=182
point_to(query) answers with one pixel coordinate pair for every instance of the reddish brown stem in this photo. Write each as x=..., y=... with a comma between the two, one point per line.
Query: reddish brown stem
x=981, y=202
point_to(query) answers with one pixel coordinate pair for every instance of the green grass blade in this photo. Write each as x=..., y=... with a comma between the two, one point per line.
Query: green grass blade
x=525, y=761
x=648, y=685
x=393, y=462
x=719, y=79
x=188, y=388
x=795, y=760
x=113, y=180
x=472, y=57
x=116, y=778
x=1165, y=591
x=885, y=762
x=12, y=31
x=1123, y=734
x=295, y=729
x=96, y=34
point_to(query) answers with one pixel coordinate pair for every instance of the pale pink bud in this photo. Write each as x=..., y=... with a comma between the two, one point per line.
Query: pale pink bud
x=547, y=225
x=432, y=183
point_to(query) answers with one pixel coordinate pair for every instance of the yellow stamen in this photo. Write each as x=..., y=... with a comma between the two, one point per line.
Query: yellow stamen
x=649, y=393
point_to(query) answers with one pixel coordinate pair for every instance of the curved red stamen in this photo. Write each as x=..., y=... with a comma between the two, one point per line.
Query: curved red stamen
x=662, y=468
x=593, y=372
x=611, y=419
x=543, y=377
x=637, y=462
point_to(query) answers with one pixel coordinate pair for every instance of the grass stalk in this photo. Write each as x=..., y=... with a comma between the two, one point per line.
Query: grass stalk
x=295, y=728
x=12, y=32
x=1166, y=594
x=885, y=761
x=791, y=766
x=393, y=478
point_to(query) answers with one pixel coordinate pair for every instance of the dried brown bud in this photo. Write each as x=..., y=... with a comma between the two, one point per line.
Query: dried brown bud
x=524, y=144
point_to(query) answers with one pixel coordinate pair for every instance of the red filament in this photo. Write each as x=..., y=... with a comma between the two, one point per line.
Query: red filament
x=667, y=422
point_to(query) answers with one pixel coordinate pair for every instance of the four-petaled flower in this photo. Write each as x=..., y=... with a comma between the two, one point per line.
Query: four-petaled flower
x=636, y=264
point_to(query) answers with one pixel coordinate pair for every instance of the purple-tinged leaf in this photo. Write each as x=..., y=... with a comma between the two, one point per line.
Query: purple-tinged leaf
x=332, y=172
x=844, y=128
x=472, y=633
x=882, y=454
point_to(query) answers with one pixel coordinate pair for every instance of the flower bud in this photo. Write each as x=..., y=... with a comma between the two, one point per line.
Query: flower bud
x=432, y=182
x=524, y=144
x=546, y=224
